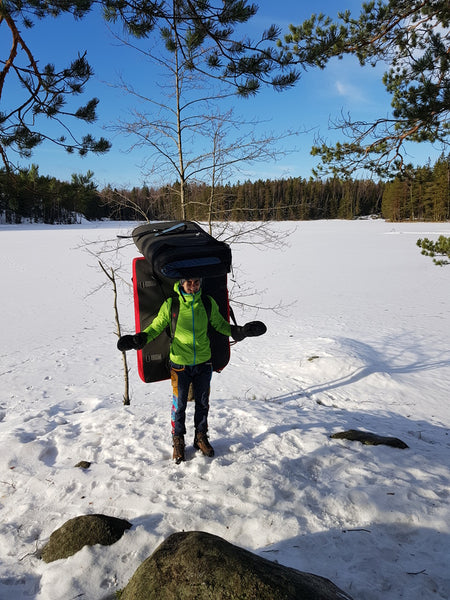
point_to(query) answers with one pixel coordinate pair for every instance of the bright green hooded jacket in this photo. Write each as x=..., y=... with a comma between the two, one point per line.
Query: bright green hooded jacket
x=190, y=345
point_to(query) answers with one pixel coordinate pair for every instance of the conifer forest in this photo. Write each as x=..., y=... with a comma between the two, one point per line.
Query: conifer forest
x=421, y=194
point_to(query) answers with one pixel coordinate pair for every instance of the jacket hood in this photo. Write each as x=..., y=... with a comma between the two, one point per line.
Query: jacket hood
x=184, y=295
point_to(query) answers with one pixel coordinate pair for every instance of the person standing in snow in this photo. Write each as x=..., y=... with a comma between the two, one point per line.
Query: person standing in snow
x=190, y=357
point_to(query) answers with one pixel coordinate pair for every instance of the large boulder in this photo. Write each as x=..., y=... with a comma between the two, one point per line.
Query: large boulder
x=196, y=565
x=86, y=530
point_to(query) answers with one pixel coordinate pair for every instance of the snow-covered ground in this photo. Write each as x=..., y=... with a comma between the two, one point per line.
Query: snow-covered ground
x=362, y=342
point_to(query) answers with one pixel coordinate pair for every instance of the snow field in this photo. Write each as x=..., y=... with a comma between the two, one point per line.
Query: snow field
x=361, y=343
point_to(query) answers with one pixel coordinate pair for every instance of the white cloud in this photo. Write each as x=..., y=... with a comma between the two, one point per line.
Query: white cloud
x=348, y=90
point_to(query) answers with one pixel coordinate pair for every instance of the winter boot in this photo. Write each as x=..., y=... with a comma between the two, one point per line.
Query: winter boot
x=178, y=448
x=201, y=443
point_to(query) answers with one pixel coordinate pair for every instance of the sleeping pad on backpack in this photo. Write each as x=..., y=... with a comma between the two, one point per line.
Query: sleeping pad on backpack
x=172, y=250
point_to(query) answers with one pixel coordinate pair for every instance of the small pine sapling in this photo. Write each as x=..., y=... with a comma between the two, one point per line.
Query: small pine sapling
x=439, y=248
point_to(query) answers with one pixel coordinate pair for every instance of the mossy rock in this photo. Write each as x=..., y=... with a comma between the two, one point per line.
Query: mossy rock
x=200, y=566
x=86, y=530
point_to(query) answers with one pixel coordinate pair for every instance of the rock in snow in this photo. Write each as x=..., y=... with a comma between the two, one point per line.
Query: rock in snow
x=86, y=530
x=203, y=566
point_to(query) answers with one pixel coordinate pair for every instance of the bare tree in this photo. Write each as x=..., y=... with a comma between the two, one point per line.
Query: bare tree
x=111, y=268
x=121, y=201
x=111, y=275
x=178, y=122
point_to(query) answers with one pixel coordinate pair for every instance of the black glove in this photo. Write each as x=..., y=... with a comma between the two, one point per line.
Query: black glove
x=132, y=342
x=237, y=333
x=251, y=329
x=254, y=328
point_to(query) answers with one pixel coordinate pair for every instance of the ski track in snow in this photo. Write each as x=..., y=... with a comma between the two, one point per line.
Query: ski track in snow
x=362, y=344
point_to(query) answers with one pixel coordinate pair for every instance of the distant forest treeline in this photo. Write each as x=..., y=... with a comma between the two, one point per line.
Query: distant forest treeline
x=421, y=194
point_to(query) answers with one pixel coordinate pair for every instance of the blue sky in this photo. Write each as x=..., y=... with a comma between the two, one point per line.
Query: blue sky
x=317, y=98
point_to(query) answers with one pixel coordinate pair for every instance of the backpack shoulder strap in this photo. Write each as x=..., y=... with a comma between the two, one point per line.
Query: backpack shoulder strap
x=174, y=311
x=207, y=304
x=206, y=300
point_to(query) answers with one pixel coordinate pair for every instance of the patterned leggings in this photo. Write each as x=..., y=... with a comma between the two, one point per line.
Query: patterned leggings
x=200, y=377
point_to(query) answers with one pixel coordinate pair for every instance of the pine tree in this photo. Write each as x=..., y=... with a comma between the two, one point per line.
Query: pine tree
x=439, y=248
x=395, y=200
x=45, y=89
x=440, y=189
x=412, y=37
x=247, y=64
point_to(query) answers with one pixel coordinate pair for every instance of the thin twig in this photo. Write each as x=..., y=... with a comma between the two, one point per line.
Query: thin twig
x=112, y=277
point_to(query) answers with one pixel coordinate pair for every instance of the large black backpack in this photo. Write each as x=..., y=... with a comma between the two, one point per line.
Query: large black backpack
x=172, y=250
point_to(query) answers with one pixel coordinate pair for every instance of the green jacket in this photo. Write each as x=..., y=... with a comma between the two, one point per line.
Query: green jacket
x=190, y=344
